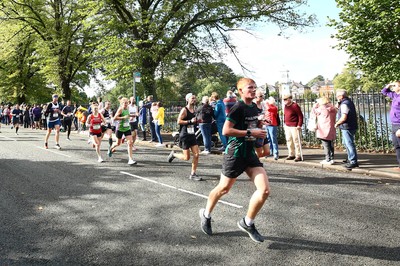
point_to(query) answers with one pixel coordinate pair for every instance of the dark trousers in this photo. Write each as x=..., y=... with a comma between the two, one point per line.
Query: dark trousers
x=329, y=149
x=153, y=131
x=67, y=126
x=396, y=141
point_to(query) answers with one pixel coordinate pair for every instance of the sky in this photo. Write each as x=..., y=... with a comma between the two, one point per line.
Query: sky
x=304, y=55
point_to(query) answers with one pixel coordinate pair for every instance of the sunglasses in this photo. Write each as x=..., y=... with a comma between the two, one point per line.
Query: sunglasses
x=286, y=99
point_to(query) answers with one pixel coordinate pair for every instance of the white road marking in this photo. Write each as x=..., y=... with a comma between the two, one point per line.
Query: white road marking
x=8, y=138
x=59, y=153
x=182, y=190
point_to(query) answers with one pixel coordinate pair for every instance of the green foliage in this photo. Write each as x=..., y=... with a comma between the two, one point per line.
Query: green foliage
x=143, y=35
x=315, y=80
x=63, y=44
x=369, y=30
x=348, y=80
x=20, y=79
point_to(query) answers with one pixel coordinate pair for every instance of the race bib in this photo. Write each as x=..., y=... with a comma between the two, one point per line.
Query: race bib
x=108, y=120
x=55, y=115
x=190, y=129
x=126, y=124
x=96, y=127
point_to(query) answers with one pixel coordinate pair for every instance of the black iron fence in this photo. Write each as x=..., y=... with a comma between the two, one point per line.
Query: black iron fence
x=374, y=128
x=374, y=131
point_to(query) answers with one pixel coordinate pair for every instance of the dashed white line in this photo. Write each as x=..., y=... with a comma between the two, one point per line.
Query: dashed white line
x=181, y=190
x=58, y=153
x=8, y=138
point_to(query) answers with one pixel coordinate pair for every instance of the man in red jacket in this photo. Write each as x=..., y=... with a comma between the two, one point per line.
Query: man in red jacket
x=293, y=120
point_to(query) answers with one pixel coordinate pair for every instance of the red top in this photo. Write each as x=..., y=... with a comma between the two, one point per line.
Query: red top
x=271, y=114
x=95, y=124
x=293, y=116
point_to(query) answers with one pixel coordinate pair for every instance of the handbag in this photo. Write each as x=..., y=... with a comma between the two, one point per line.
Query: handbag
x=312, y=123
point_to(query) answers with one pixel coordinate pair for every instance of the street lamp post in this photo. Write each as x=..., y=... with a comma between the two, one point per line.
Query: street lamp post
x=136, y=78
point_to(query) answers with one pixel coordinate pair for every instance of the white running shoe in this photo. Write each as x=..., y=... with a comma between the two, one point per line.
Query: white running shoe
x=100, y=160
x=205, y=152
x=132, y=162
x=326, y=162
x=159, y=145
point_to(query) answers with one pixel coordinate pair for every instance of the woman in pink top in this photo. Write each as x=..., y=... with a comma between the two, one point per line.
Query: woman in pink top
x=326, y=132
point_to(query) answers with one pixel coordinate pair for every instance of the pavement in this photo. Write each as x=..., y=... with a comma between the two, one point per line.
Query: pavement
x=371, y=164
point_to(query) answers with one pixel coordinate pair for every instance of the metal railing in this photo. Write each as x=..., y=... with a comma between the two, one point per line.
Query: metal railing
x=374, y=128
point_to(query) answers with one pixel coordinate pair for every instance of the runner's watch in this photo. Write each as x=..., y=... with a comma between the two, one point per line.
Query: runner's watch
x=248, y=133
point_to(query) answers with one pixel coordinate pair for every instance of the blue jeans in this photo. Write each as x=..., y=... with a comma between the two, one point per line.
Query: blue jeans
x=206, y=132
x=348, y=142
x=158, y=132
x=223, y=138
x=272, y=132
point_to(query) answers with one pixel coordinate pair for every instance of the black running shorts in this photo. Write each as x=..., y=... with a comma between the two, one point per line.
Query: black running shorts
x=119, y=134
x=233, y=167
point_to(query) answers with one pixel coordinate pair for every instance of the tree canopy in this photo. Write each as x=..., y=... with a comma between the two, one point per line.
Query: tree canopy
x=72, y=39
x=369, y=30
x=142, y=35
x=63, y=44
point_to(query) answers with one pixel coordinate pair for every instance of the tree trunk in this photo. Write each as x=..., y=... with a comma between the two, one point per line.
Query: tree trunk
x=66, y=90
x=148, y=77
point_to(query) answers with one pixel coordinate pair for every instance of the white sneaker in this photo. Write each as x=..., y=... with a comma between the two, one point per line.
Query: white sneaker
x=326, y=162
x=205, y=152
x=159, y=145
x=131, y=162
x=100, y=160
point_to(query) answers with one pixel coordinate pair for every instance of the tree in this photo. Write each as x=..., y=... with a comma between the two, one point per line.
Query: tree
x=140, y=35
x=317, y=79
x=369, y=30
x=348, y=80
x=64, y=43
x=20, y=79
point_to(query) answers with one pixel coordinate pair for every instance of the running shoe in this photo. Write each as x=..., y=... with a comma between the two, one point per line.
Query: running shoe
x=68, y=139
x=205, y=152
x=327, y=162
x=205, y=223
x=46, y=146
x=171, y=157
x=109, y=152
x=195, y=177
x=159, y=145
x=58, y=147
x=132, y=162
x=100, y=160
x=251, y=230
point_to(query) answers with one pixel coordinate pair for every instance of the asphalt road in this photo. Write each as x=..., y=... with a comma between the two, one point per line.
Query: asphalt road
x=61, y=207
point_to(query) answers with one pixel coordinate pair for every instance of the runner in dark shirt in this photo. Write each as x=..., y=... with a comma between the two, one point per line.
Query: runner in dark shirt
x=243, y=128
x=16, y=113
